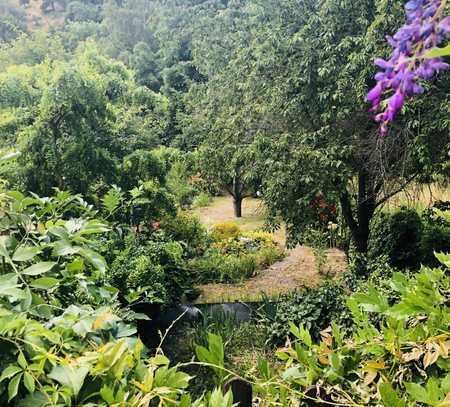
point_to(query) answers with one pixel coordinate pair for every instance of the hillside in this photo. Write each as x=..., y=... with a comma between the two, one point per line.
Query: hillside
x=36, y=18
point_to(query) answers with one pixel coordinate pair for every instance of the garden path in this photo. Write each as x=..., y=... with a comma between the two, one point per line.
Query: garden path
x=297, y=269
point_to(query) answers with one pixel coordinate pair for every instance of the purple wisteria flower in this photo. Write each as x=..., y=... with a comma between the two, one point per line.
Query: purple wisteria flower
x=400, y=77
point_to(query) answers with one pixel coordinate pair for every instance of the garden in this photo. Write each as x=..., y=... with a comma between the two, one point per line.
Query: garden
x=224, y=203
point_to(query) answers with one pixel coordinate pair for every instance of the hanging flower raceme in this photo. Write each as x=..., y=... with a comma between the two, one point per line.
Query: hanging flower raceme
x=400, y=77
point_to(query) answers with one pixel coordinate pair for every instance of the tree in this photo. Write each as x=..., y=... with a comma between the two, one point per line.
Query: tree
x=222, y=117
x=12, y=22
x=75, y=121
x=313, y=71
x=231, y=168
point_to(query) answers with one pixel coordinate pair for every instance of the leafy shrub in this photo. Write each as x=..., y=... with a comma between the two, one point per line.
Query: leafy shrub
x=188, y=230
x=149, y=270
x=141, y=166
x=314, y=308
x=236, y=258
x=260, y=238
x=225, y=231
x=398, y=236
x=201, y=200
x=215, y=267
x=55, y=350
x=178, y=183
x=435, y=236
x=402, y=361
x=268, y=255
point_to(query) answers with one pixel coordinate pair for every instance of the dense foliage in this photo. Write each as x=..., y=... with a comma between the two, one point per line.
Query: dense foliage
x=401, y=360
x=64, y=337
x=117, y=117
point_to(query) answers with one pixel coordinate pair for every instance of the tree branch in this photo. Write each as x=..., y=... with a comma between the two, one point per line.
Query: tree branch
x=395, y=192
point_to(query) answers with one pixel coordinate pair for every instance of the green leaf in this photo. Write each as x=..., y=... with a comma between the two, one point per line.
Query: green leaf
x=10, y=371
x=9, y=286
x=107, y=394
x=39, y=268
x=69, y=376
x=125, y=330
x=13, y=386
x=28, y=381
x=112, y=199
x=64, y=248
x=93, y=227
x=443, y=258
x=159, y=360
x=21, y=360
x=293, y=373
x=445, y=384
x=3, y=250
x=25, y=253
x=389, y=396
x=417, y=392
x=45, y=283
x=94, y=258
x=372, y=301
x=438, y=52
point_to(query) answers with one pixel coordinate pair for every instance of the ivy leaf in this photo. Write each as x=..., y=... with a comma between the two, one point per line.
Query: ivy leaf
x=13, y=386
x=25, y=253
x=69, y=376
x=39, y=268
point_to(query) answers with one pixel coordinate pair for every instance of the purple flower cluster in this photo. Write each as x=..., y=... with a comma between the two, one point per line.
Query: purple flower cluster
x=400, y=78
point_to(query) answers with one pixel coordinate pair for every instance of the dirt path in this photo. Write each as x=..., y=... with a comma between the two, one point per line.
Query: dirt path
x=297, y=269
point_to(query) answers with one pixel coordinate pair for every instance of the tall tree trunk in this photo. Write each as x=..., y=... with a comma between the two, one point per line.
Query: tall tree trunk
x=237, y=197
x=365, y=209
x=237, y=204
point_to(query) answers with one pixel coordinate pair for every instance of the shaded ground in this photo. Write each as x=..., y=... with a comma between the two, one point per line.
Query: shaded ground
x=297, y=269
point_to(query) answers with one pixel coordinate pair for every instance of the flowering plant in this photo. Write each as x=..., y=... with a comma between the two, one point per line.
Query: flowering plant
x=411, y=60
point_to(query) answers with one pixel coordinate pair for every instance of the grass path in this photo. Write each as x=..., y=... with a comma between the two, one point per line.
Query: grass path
x=297, y=269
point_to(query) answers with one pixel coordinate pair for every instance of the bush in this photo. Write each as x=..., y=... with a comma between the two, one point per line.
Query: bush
x=435, y=236
x=268, y=255
x=179, y=185
x=225, y=231
x=402, y=360
x=398, y=236
x=201, y=200
x=315, y=308
x=215, y=267
x=150, y=271
x=188, y=230
x=235, y=257
x=68, y=349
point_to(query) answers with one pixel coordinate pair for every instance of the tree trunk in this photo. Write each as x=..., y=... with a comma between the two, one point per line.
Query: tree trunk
x=237, y=204
x=237, y=193
x=365, y=208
